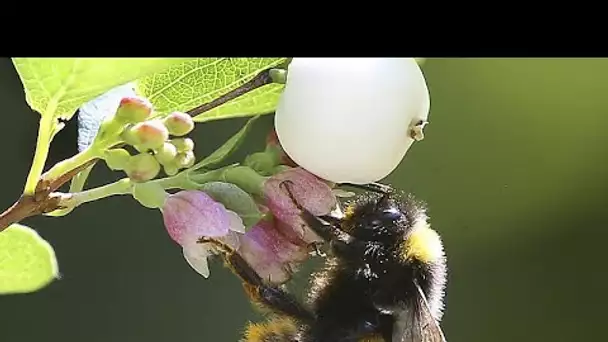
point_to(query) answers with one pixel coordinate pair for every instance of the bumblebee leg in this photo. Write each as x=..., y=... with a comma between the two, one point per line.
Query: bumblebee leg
x=374, y=187
x=350, y=250
x=280, y=301
x=342, y=243
x=327, y=230
x=384, y=190
x=316, y=246
x=267, y=295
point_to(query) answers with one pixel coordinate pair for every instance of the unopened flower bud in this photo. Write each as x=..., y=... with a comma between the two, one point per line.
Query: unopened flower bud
x=129, y=136
x=170, y=169
x=245, y=178
x=179, y=123
x=183, y=144
x=151, y=195
x=278, y=75
x=142, y=167
x=133, y=109
x=166, y=153
x=147, y=135
x=117, y=158
x=262, y=162
x=185, y=159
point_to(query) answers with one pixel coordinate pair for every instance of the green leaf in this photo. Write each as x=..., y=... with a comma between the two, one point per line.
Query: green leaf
x=27, y=261
x=235, y=199
x=193, y=83
x=58, y=86
x=257, y=102
x=227, y=148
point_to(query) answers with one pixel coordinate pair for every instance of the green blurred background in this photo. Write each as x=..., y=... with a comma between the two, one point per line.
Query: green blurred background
x=514, y=167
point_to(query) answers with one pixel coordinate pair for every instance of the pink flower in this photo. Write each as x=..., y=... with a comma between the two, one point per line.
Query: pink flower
x=275, y=246
x=190, y=215
x=269, y=252
x=310, y=192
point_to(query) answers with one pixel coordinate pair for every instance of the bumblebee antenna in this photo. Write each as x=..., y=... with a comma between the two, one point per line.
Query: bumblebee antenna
x=374, y=187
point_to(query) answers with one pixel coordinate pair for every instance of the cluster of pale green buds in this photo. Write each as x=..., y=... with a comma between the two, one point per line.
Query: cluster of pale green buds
x=158, y=142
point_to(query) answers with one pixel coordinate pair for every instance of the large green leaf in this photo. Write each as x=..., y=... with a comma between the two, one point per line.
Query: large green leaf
x=195, y=82
x=27, y=261
x=58, y=86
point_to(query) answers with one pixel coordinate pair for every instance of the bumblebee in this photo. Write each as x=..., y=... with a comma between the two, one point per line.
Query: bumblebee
x=383, y=279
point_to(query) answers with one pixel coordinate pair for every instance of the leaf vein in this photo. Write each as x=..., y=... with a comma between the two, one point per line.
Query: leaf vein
x=182, y=76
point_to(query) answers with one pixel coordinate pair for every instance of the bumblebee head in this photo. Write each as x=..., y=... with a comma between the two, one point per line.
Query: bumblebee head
x=378, y=217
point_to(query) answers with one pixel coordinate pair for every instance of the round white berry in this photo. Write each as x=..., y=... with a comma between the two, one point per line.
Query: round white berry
x=351, y=119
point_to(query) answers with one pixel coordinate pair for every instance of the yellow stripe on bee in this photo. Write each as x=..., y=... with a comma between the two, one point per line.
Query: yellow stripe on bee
x=423, y=244
x=269, y=331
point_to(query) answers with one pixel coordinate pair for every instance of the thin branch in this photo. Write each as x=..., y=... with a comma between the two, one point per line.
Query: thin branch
x=57, y=183
x=41, y=202
x=261, y=79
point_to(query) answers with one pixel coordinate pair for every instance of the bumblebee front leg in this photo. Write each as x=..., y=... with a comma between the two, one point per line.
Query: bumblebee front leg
x=342, y=243
x=373, y=187
x=270, y=296
x=327, y=227
x=327, y=230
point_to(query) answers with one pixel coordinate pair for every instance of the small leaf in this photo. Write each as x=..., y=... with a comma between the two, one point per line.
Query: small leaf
x=235, y=199
x=195, y=82
x=27, y=261
x=57, y=86
x=227, y=148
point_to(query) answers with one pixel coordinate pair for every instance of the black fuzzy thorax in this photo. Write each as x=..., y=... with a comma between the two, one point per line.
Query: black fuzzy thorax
x=355, y=293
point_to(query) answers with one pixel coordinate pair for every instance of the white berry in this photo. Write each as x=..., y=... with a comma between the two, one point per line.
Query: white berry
x=351, y=119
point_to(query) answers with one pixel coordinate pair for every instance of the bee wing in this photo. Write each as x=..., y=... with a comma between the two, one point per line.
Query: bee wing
x=406, y=328
x=417, y=324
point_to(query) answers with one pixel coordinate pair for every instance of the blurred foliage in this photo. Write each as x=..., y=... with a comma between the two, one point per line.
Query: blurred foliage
x=513, y=167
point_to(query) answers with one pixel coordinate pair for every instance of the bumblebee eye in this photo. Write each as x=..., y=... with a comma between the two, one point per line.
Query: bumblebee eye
x=392, y=214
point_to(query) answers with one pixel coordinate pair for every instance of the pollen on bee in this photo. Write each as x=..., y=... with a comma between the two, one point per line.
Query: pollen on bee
x=349, y=211
x=275, y=329
x=423, y=244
